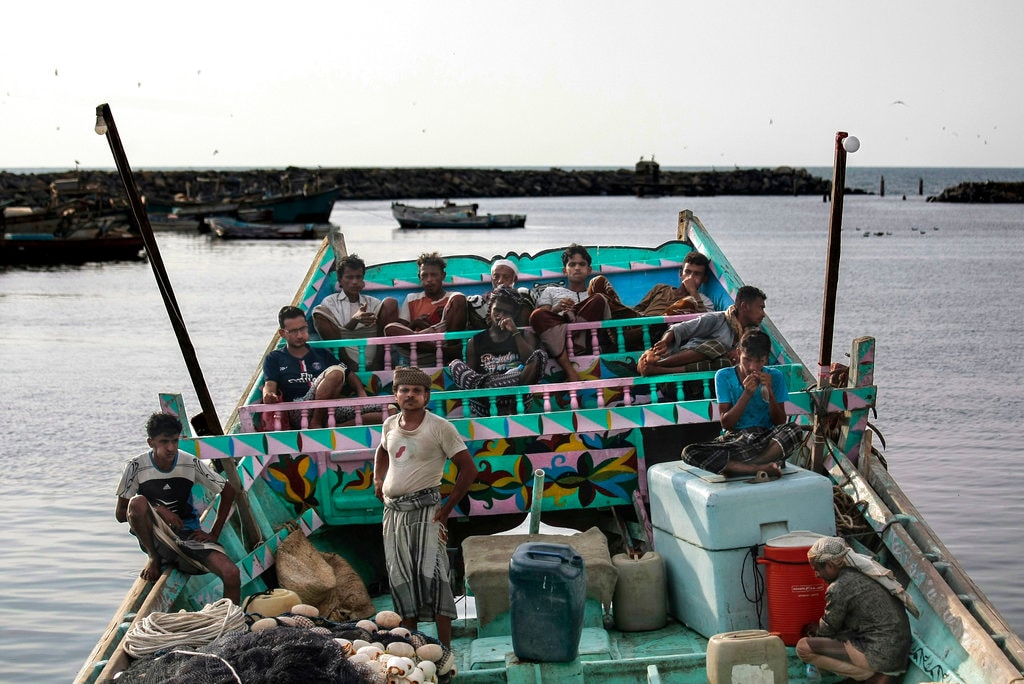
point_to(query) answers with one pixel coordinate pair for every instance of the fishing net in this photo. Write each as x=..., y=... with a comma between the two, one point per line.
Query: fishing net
x=277, y=656
x=301, y=650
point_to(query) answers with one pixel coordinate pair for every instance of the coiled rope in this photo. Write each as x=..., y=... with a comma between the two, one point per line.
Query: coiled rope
x=163, y=631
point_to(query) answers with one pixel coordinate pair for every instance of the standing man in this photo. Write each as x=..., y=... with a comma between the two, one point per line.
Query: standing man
x=350, y=314
x=708, y=336
x=155, y=498
x=407, y=472
x=864, y=633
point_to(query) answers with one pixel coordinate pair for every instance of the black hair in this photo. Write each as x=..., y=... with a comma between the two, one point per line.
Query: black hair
x=749, y=293
x=697, y=259
x=287, y=312
x=352, y=261
x=576, y=249
x=432, y=259
x=162, y=424
x=756, y=344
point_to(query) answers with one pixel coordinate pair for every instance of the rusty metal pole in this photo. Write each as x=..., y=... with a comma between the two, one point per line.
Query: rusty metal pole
x=828, y=308
x=105, y=126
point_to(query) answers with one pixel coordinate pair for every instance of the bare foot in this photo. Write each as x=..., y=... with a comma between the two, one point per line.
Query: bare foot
x=151, y=573
x=771, y=470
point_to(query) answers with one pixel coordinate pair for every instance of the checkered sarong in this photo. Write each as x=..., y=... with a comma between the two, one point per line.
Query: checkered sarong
x=743, y=446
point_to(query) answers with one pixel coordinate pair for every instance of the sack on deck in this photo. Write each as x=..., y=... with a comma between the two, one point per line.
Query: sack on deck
x=324, y=580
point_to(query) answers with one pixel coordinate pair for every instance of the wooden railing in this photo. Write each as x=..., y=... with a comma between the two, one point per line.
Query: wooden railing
x=414, y=343
x=442, y=402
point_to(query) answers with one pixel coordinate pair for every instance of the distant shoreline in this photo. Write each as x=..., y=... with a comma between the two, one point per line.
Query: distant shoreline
x=30, y=187
x=430, y=183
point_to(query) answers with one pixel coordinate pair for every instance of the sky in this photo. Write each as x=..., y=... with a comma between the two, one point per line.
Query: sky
x=488, y=83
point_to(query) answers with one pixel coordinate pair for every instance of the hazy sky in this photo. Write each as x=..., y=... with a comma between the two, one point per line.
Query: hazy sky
x=523, y=83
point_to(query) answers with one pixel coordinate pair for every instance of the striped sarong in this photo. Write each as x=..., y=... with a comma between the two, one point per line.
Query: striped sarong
x=188, y=555
x=466, y=378
x=416, y=555
x=743, y=446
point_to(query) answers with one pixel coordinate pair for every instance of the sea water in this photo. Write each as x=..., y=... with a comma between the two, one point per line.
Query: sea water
x=87, y=349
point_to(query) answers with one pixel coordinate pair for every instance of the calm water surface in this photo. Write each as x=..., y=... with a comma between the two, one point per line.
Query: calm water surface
x=89, y=348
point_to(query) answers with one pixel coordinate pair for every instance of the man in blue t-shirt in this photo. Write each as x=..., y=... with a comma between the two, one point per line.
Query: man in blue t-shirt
x=751, y=405
x=298, y=372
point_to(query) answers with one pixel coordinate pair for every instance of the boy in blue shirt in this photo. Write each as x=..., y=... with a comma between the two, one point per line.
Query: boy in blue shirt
x=751, y=405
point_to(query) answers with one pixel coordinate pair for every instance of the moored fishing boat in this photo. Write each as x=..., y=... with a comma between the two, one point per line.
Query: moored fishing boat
x=599, y=458
x=298, y=207
x=599, y=445
x=232, y=229
x=451, y=215
x=303, y=207
x=75, y=240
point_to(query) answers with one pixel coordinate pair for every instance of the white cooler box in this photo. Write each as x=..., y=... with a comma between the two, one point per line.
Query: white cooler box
x=705, y=527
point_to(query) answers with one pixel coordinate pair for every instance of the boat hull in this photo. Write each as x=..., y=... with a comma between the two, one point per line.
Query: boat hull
x=231, y=229
x=25, y=250
x=314, y=207
x=452, y=216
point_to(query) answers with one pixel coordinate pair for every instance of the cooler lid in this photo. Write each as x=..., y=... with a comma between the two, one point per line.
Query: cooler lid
x=795, y=539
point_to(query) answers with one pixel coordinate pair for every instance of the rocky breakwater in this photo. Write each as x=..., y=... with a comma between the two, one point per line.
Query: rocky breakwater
x=426, y=183
x=988, y=192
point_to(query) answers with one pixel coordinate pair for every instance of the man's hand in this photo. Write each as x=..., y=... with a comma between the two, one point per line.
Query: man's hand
x=660, y=348
x=751, y=382
x=203, y=536
x=651, y=358
x=169, y=517
x=563, y=304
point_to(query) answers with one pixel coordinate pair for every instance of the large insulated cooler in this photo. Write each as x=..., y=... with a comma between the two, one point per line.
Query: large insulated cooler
x=710, y=529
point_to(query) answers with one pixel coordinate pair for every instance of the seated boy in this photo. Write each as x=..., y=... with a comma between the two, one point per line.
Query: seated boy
x=155, y=498
x=751, y=407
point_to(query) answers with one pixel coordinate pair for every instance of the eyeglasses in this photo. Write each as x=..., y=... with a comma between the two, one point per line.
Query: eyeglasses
x=296, y=331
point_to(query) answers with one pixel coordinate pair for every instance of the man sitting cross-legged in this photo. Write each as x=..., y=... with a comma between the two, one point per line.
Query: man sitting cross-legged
x=500, y=356
x=751, y=405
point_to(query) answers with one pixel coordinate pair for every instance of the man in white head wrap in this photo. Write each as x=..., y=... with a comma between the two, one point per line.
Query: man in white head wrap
x=864, y=633
x=504, y=273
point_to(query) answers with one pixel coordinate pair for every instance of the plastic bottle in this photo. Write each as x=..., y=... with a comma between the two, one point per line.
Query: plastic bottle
x=813, y=675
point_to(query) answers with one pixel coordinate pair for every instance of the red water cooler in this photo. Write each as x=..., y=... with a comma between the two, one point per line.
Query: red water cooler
x=796, y=597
